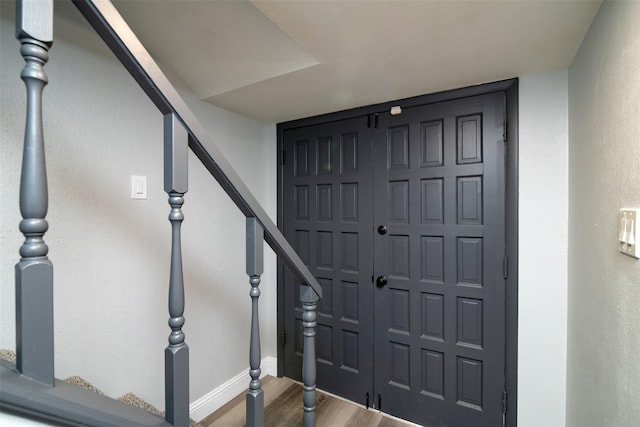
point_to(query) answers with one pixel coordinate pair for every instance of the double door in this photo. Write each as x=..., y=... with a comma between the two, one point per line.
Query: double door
x=402, y=220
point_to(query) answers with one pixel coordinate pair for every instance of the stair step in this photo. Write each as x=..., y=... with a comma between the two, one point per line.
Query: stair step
x=79, y=381
x=8, y=355
x=129, y=398
x=133, y=400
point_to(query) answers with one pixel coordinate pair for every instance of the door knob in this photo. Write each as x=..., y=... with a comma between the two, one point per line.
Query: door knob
x=381, y=281
x=382, y=230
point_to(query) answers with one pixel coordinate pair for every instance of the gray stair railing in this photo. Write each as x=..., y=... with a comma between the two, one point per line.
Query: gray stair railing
x=255, y=263
x=309, y=302
x=34, y=271
x=176, y=355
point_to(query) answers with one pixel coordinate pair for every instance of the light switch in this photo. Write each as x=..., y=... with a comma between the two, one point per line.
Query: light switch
x=138, y=187
x=628, y=232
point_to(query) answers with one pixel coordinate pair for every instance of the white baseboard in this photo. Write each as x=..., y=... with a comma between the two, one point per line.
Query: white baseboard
x=222, y=394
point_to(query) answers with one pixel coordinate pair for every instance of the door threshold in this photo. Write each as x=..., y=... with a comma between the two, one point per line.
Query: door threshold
x=384, y=414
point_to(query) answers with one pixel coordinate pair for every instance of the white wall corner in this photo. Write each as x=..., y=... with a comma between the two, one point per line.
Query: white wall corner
x=216, y=398
x=543, y=249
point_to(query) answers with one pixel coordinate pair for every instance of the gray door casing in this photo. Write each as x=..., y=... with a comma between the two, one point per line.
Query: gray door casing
x=452, y=313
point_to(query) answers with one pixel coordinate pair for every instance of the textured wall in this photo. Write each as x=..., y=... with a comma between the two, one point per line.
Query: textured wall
x=603, y=377
x=542, y=287
x=111, y=253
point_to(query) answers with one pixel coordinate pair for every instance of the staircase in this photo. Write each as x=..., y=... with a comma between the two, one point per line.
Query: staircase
x=28, y=385
x=128, y=398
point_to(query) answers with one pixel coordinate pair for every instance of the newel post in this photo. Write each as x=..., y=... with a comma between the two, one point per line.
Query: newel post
x=34, y=271
x=176, y=355
x=309, y=300
x=255, y=267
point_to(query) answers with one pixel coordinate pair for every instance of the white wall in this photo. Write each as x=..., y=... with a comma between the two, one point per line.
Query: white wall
x=603, y=378
x=543, y=210
x=111, y=253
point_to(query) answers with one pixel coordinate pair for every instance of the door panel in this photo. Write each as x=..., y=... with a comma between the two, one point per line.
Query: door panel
x=439, y=320
x=403, y=225
x=327, y=217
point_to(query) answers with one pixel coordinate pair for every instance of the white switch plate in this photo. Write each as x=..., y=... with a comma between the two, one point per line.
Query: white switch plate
x=628, y=232
x=138, y=187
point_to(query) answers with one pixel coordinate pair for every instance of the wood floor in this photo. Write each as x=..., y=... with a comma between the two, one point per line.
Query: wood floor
x=283, y=408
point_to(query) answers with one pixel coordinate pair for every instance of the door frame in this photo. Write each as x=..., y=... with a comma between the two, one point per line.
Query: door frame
x=510, y=88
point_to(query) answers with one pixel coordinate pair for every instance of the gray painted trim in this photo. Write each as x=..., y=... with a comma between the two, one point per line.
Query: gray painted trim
x=510, y=87
x=67, y=404
x=35, y=20
x=34, y=271
x=255, y=394
x=511, y=368
x=309, y=304
x=413, y=101
x=255, y=257
x=176, y=355
x=108, y=23
x=176, y=155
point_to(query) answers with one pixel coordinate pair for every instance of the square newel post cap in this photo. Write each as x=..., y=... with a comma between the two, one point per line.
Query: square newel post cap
x=34, y=19
x=307, y=294
x=176, y=155
x=255, y=240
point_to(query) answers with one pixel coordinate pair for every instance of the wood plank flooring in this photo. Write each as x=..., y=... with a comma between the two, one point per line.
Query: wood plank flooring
x=283, y=408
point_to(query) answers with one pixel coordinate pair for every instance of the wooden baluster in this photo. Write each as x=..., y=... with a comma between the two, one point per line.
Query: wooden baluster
x=309, y=301
x=34, y=271
x=176, y=355
x=255, y=395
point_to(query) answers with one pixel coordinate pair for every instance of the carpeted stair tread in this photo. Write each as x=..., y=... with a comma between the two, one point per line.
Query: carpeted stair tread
x=8, y=355
x=79, y=381
x=133, y=400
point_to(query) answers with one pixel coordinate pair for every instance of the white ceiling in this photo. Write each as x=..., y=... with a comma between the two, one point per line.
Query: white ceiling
x=282, y=60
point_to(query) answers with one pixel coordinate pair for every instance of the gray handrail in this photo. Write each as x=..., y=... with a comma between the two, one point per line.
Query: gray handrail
x=115, y=32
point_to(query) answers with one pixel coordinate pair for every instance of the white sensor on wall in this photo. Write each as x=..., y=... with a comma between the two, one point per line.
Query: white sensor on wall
x=395, y=110
x=628, y=232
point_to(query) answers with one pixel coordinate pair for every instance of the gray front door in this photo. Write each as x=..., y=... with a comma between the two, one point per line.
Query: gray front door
x=327, y=218
x=439, y=299
x=401, y=218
